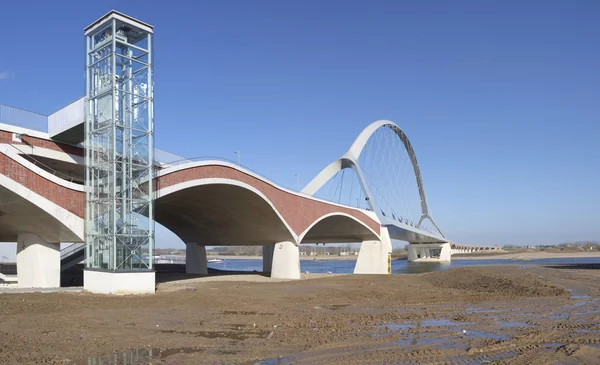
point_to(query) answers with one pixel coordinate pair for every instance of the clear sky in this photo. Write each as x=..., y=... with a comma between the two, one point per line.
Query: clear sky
x=501, y=99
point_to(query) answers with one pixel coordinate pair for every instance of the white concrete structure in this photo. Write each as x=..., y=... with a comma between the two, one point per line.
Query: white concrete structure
x=374, y=256
x=38, y=262
x=66, y=124
x=438, y=252
x=286, y=261
x=195, y=259
x=119, y=282
x=399, y=229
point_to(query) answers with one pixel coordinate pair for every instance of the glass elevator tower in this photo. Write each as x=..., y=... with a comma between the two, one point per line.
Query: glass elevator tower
x=119, y=141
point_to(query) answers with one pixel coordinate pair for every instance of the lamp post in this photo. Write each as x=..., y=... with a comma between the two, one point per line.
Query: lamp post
x=238, y=153
x=297, y=182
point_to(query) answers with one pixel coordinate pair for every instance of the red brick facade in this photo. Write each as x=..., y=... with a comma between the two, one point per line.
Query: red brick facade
x=6, y=137
x=69, y=199
x=299, y=212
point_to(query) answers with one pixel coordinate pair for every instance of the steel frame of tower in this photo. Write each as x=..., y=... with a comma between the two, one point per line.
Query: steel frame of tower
x=119, y=141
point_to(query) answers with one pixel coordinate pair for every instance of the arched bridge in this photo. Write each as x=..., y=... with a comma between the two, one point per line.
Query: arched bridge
x=372, y=194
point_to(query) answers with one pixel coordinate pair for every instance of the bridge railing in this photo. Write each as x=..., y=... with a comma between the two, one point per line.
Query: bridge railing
x=45, y=167
x=69, y=250
x=184, y=161
x=23, y=118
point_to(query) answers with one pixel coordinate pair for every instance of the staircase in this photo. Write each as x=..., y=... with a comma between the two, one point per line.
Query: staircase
x=71, y=256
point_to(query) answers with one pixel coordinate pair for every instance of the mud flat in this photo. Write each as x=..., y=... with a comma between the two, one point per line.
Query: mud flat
x=502, y=314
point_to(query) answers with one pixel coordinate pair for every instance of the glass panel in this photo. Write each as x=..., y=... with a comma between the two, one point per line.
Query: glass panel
x=119, y=141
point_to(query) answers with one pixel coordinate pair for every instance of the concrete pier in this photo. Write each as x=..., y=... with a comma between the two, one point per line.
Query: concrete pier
x=373, y=256
x=431, y=252
x=38, y=262
x=286, y=261
x=195, y=259
x=268, y=258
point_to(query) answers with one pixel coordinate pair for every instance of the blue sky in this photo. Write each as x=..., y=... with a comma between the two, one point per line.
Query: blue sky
x=501, y=99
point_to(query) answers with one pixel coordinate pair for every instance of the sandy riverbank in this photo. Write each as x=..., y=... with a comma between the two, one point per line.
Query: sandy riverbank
x=528, y=255
x=501, y=314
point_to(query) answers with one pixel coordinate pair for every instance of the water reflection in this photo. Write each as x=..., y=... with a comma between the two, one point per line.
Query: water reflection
x=136, y=357
x=420, y=267
x=133, y=357
x=398, y=266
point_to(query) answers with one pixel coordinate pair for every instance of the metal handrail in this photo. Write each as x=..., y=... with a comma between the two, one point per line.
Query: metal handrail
x=67, y=251
x=46, y=167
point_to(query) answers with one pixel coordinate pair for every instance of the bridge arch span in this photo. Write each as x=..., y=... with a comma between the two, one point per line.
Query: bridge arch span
x=337, y=228
x=352, y=160
x=294, y=210
x=220, y=211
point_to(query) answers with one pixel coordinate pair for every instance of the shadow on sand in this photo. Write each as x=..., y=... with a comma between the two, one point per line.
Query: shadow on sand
x=173, y=272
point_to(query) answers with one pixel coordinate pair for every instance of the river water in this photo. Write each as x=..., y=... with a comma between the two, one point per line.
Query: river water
x=398, y=266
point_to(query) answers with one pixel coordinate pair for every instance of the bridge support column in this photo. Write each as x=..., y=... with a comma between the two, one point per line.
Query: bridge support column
x=38, y=262
x=268, y=257
x=195, y=259
x=437, y=252
x=286, y=261
x=373, y=256
x=412, y=252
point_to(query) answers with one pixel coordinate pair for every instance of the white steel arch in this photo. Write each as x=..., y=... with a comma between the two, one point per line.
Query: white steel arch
x=350, y=160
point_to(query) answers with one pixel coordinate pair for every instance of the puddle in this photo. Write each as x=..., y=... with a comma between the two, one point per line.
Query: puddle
x=137, y=356
x=587, y=331
x=496, y=357
x=424, y=323
x=481, y=310
x=559, y=315
x=515, y=324
x=333, y=307
x=492, y=336
x=237, y=336
x=579, y=297
x=398, y=326
x=442, y=323
x=554, y=345
x=248, y=313
x=415, y=339
x=242, y=313
x=485, y=359
x=594, y=311
x=274, y=361
x=580, y=304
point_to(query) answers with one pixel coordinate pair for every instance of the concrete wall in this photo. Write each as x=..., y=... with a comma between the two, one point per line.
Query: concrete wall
x=106, y=282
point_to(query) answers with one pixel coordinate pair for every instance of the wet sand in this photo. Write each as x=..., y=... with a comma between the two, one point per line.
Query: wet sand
x=503, y=314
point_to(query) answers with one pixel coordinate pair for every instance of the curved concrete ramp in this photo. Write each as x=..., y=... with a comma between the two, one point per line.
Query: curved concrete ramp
x=221, y=214
x=338, y=228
